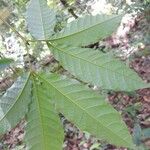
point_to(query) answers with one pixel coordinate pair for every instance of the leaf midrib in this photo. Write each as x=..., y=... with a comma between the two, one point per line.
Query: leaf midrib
x=39, y=112
x=84, y=110
x=41, y=19
x=65, y=36
x=9, y=110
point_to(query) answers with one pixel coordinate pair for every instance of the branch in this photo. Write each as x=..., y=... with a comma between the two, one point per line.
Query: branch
x=14, y=30
x=70, y=10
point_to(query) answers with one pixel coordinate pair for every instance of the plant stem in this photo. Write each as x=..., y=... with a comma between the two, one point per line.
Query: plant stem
x=14, y=30
x=21, y=37
x=70, y=10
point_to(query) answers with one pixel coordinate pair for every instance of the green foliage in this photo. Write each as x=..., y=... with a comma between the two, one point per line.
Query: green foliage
x=140, y=135
x=146, y=133
x=88, y=110
x=137, y=134
x=41, y=97
x=44, y=131
x=41, y=20
x=4, y=63
x=13, y=104
x=98, y=68
x=87, y=30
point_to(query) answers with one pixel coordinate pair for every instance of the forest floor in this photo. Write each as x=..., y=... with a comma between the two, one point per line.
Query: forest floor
x=134, y=107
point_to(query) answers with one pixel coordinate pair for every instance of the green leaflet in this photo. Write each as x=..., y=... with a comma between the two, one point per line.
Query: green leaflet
x=40, y=19
x=87, y=29
x=146, y=133
x=14, y=103
x=5, y=62
x=98, y=68
x=43, y=130
x=87, y=110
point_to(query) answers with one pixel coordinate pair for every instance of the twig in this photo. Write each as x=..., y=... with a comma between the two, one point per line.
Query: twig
x=70, y=10
x=14, y=30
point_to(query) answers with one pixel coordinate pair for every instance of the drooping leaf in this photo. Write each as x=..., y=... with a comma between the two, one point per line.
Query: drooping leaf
x=87, y=30
x=5, y=62
x=40, y=19
x=87, y=110
x=43, y=130
x=98, y=68
x=13, y=104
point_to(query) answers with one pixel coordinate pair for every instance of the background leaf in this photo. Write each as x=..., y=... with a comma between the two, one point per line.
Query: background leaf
x=137, y=134
x=87, y=110
x=4, y=14
x=87, y=29
x=14, y=103
x=40, y=19
x=43, y=130
x=5, y=62
x=146, y=133
x=97, y=68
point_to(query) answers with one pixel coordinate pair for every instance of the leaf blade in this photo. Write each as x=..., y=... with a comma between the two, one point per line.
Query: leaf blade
x=40, y=19
x=87, y=30
x=87, y=110
x=5, y=62
x=42, y=117
x=97, y=68
x=14, y=101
